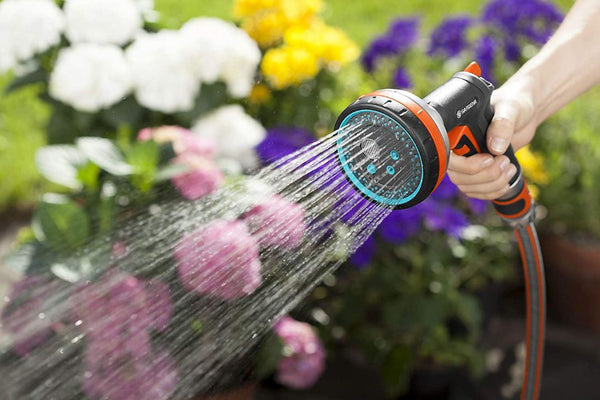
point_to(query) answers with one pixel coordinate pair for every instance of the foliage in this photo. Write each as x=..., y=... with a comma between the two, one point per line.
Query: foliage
x=570, y=149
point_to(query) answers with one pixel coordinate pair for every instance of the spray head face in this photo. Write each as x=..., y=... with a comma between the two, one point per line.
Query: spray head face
x=392, y=147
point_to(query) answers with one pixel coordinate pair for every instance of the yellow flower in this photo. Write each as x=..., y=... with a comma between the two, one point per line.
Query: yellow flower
x=533, y=165
x=266, y=21
x=260, y=94
x=289, y=65
x=331, y=45
x=266, y=28
x=246, y=8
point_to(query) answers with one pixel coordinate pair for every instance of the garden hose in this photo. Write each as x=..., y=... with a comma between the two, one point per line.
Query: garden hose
x=394, y=149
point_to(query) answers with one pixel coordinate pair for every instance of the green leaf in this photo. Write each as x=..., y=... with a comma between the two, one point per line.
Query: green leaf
x=396, y=370
x=270, y=352
x=105, y=154
x=143, y=158
x=88, y=175
x=469, y=312
x=60, y=223
x=60, y=163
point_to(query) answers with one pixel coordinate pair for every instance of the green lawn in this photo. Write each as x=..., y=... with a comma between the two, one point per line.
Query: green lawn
x=22, y=117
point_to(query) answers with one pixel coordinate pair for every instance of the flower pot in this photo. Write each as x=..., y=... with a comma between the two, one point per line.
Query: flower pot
x=244, y=392
x=573, y=279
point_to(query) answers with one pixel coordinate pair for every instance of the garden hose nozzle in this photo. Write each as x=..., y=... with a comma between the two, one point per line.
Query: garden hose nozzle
x=394, y=148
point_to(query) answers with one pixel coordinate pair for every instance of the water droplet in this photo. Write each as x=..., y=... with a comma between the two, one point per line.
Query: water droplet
x=41, y=315
x=78, y=323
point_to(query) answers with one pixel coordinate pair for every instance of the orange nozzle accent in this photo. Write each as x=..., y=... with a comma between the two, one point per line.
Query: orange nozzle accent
x=456, y=134
x=474, y=68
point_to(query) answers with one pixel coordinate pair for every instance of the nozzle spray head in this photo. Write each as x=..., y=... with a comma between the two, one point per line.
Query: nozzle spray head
x=393, y=147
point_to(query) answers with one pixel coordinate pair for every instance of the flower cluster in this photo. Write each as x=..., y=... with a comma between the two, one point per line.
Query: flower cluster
x=222, y=259
x=504, y=26
x=304, y=359
x=437, y=213
x=298, y=43
x=117, y=313
x=111, y=56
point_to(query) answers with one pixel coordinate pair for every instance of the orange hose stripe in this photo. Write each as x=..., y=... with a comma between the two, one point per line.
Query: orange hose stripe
x=528, y=319
x=429, y=123
x=542, y=310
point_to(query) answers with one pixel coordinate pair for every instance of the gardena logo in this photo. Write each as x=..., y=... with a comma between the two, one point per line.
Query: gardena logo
x=466, y=108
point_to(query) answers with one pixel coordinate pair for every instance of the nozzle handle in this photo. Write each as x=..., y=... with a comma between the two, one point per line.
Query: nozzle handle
x=463, y=102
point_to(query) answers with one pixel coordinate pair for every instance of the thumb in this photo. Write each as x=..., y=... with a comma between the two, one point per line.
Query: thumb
x=502, y=128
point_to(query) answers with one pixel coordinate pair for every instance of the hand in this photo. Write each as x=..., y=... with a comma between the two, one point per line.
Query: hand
x=484, y=176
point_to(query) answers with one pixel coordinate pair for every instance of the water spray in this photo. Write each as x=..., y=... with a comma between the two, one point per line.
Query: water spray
x=403, y=156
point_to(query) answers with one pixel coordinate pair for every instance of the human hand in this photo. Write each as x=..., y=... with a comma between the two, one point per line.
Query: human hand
x=485, y=176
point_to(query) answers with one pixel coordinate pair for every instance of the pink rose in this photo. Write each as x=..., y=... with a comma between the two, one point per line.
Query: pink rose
x=277, y=222
x=220, y=259
x=202, y=178
x=305, y=356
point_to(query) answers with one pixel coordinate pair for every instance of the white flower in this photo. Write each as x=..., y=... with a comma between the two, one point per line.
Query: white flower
x=146, y=7
x=27, y=27
x=163, y=75
x=222, y=51
x=90, y=76
x=102, y=21
x=234, y=131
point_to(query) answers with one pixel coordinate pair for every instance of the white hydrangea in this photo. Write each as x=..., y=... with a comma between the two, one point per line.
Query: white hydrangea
x=164, y=77
x=222, y=51
x=27, y=27
x=146, y=7
x=90, y=76
x=103, y=21
x=234, y=131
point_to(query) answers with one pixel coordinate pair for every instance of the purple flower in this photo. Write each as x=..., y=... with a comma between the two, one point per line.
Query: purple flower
x=533, y=20
x=400, y=225
x=27, y=316
x=478, y=207
x=449, y=38
x=280, y=142
x=446, y=191
x=304, y=355
x=400, y=37
x=363, y=256
x=219, y=259
x=512, y=50
x=443, y=217
x=277, y=222
x=402, y=79
x=151, y=376
x=485, y=54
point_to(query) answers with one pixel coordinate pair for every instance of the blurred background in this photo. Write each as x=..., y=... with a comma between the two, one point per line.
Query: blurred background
x=432, y=306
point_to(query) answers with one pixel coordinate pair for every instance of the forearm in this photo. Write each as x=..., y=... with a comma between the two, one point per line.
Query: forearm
x=567, y=65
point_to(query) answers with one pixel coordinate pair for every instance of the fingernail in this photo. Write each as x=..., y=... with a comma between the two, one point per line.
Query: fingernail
x=487, y=162
x=504, y=163
x=498, y=145
x=511, y=171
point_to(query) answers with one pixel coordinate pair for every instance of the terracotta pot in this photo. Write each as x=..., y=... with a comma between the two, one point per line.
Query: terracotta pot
x=245, y=392
x=573, y=279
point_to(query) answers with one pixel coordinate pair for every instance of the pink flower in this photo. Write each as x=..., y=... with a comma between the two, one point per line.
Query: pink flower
x=152, y=376
x=183, y=140
x=220, y=259
x=277, y=222
x=304, y=359
x=28, y=316
x=202, y=179
x=120, y=308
